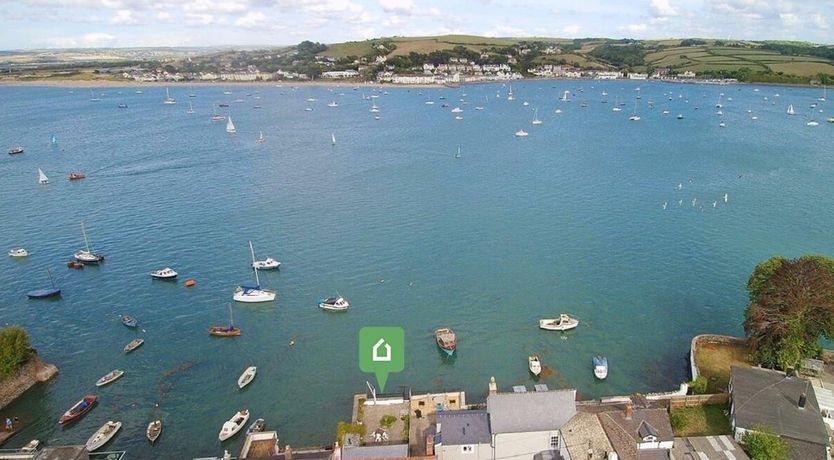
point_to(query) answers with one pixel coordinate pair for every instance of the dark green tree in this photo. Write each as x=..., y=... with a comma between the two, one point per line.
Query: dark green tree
x=14, y=350
x=763, y=444
x=791, y=307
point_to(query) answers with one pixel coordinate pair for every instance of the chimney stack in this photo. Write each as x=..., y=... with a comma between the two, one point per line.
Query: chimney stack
x=629, y=411
x=802, y=400
x=493, y=387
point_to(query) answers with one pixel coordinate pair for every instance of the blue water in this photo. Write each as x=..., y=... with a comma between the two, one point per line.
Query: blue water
x=569, y=219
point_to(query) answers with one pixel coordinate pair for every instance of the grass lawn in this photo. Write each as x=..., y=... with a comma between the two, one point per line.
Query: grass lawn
x=714, y=361
x=701, y=421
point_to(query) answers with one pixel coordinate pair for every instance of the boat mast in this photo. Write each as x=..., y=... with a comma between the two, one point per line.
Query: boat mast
x=49, y=272
x=231, y=317
x=257, y=280
x=84, y=232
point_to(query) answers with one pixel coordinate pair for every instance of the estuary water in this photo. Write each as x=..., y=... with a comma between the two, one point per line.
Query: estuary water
x=569, y=219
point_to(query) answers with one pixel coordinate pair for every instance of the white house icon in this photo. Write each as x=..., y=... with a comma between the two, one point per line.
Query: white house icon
x=381, y=357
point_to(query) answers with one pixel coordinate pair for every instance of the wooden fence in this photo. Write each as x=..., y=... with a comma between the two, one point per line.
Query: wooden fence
x=679, y=402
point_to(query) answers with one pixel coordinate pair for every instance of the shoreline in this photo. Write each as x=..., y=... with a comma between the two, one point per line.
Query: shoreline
x=33, y=372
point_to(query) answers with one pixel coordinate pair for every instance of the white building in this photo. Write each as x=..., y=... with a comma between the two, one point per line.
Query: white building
x=638, y=76
x=336, y=74
x=607, y=75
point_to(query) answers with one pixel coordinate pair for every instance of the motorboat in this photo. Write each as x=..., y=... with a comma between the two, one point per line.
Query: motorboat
x=217, y=118
x=15, y=150
x=102, y=435
x=268, y=264
x=634, y=118
x=446, y=340
x=457, y=110
x=333, y=104
x=134, y=344
x=562, y=323
x=18, y=252
x=600, y=367
x=338, y=303
x=256, y=427
x=78, y=410
x=231, y=427
x=535, y=365
x=154, y=430
x=166, y=273
x=247, y=376
x=521, y=133
x=129, y=321
x=110, y=377
x=77, y=175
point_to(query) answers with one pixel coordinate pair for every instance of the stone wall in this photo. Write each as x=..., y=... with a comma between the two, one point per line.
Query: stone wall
x=32, y=372
x=707, y=338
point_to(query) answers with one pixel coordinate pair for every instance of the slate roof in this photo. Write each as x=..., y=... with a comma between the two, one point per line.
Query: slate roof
x=582, y=429
x=459, y=427
x=722, y=447
x=533, y=411
x=625, y=434
x=768, y=397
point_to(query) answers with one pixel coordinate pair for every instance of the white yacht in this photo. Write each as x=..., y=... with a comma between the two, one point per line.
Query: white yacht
x=338, y=303
x=521, y=133
x=563, y=323
x=87, y=256
x=253, y=294
x=168, y=99
x=18, y=252
x=166, y=273
x=230, y=126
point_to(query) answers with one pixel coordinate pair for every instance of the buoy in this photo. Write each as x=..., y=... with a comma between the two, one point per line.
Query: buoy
x=190, y=282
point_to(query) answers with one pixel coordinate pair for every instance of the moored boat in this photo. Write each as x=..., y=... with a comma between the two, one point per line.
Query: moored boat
x=75, y=264
x=231, y=427
x=225, y=331
x=600, y=367
x=256, y=427
x=446, y=340
x=46, y=292
x=86, y=255
x=15, y=150
x=253, y=294
x=110, y=377
x=78, y=410
x=247, y=376
x=338, y=303
x=77, y=175
x=562, y=323
x=129, y=321
x=521, y=133
x=267, y=264
x=134, y=344
x=166, y=273
x=535, y=365
x=154, y=430
x=18, y=252
x=102, y=435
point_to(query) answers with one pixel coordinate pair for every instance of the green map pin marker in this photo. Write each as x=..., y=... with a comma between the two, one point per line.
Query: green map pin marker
x=381, y=351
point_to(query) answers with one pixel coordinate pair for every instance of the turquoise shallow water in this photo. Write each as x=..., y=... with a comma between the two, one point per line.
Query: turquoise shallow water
x=568, y=219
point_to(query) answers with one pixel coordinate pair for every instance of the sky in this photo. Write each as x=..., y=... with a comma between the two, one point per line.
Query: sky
x=26, y=24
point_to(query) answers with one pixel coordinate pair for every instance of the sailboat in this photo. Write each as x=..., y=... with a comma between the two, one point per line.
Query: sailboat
x=54, y=140
x=252, y=294
x=374, y=108
x=634, y=116
x=168, y=99
x=457, y=155
x=536, y=120
x=190, y=108
x=791, y=111
x=230, y=126
x=564, y=97
x=333, y=138
x=42, y=179
x=224, y=331
x=93, y=97
x=824, y=94
x=86, y=256
x=48, y=292
x=510, y=96
x=616, y=107
x=261, y=139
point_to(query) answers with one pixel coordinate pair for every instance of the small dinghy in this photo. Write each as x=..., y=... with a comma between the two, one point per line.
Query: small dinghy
x=77, y=175
x=247, y=376
x=166, y=273
x=110, y=377
x=600, y=367
x=78, y=410
x=535, y=365
x=134, y=344
x=234, y=425
x=446, y=340
x=75, y=264
x=18, y=252
x=256, y=427
x=562, y=323
x=129, y=321
x=46, y=292
x=104, y=434
x=154, y=430
x=334, y=304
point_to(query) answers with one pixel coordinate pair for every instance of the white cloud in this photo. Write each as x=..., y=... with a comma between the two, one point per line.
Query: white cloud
x=500, y=30
x=252, y=20
x=200, y=19
x=662, y=8
x=634, y=28
x=405, y=7
x=820, y=22
x=209, y=6
x=572, y=29
x=124, y=17
x=789, y=19
x=164, y=16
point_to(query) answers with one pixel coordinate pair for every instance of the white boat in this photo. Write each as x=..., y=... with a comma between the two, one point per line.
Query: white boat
x=253, y=294
x=261, y=139
x=102, y=435
x=510, y=96
x=564, y=97
x=93, y=97
x=457, y=155
x=86, y=256
x=557, y=111
x=168, y=99
x=154, y=430
x=110, y=377
x=813, y=123
x=190, y=108
x=333, y=138
x=267, y=264
x=600, y=367
x=536, y=120
x=234, y=425
x=374, y=108
x=247, y=376
x=680, y=116
x=18, y=252
x=535, y=365
x=634, y=116
x=338, y=303
x=42, y=179
x=791, y=111
x=521, y=133
x=457, y=110
x=230, y=126
x=562, y=323
x=166, y=273
x=525, y=103
x=333, y=104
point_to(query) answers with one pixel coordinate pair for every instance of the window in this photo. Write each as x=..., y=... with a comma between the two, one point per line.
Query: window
x=554, y=442
x=467, y=449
